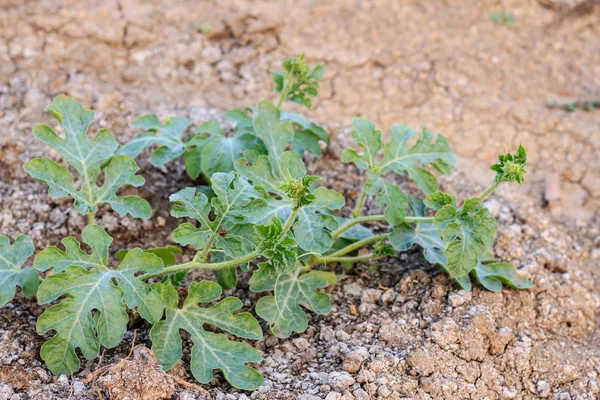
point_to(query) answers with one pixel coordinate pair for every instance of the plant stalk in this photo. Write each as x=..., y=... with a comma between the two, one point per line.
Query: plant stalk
x=360, y=202
x=90, y=215
x=369, y=256
x=285, y=91
x=359, y=244
x=489, y=190
x=379, y=217
x=196, y=265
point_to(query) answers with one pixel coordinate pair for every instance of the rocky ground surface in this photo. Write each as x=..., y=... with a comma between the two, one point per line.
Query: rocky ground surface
x=444, y=64
x=402, y=329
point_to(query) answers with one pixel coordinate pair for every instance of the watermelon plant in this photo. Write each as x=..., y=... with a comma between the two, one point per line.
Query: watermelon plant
x=263, y=216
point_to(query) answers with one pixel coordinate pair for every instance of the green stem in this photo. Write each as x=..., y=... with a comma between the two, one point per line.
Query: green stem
x=359, y=244
x=196, y=265
x=90, y=215
x=289, y=223
x=489, y=190
x=201, y=255
x=360, y=202
x=355, y=221
x=372, y=218
x=369, y=256
x=285, y=91
x=222, y=265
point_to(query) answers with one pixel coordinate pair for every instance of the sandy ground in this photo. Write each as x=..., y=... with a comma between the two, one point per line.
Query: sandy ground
x=443, y=64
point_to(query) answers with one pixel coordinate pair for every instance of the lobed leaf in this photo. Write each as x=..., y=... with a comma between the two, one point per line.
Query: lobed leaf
x=88, y=157
x=12, y=258
x=211, y=350
x=282, y=310
x=210, y=151
x=492, y=275
x=95, y=299
x=468, y=232
x=315, y=223
x=399, y=158
x=390, y=196
x=168, y=136
x=234, y=203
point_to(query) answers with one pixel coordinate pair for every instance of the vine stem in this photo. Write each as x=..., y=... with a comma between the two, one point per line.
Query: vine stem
x=90, y=215
x=225, y=264
x=360, y=202
x=373, y=218
x=359, y=244
x=369, y=256
x=489, y=190
x=285, y=91
x=209, y=266
x=289, y=223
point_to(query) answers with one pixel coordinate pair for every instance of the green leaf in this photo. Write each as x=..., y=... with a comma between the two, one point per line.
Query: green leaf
x=234, y=203
x=168, y=137
x=12, y=259
x=211, y=350
x=369, y=139
x=390, y=196
x=438, y=199
x=511, y=168
x=298, y=82
x=426, y=236
x=260, y=170
x=94, y=304
x=306, y=140
x=282, y=311
x=167, y=254
x=279, y=251
x=468, y=232
x=88, y=157
x=492, y=275
x=275, y=134
x=82, y=153
x=220, y=154
x=121, y=171
x=93, y=235
x=315, y=223
x=226, y=278
x=305, y=125
x=398, y=157
x=243, y=122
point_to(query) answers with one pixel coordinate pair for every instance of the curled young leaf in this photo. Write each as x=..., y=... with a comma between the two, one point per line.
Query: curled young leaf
x=279, y=251
x=511, y=168
x=12, y=274
x=298, y=82
x=211, y=350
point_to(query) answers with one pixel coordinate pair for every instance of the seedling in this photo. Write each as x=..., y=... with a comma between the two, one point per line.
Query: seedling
x=585, y=105
x=263, y=216
x=505, y=18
